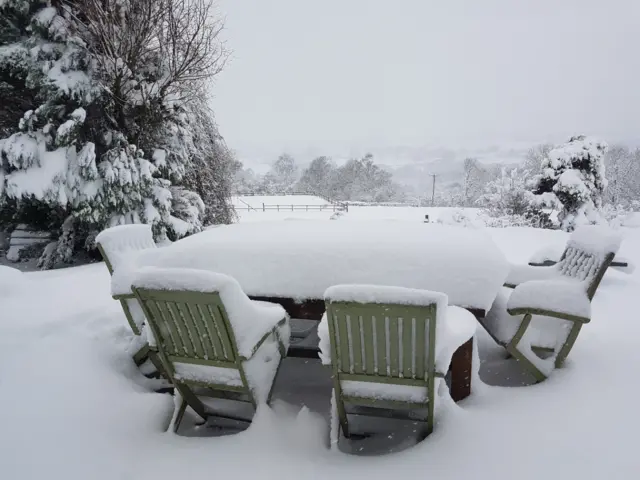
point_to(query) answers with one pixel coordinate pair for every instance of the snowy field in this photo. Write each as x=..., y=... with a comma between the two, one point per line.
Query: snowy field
x=74, y=406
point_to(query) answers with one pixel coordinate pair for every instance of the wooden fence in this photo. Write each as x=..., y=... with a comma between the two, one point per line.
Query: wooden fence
x=294, y=208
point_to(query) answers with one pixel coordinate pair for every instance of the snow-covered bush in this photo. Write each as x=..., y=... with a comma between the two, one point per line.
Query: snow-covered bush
x=573, y=179
x=454, y=216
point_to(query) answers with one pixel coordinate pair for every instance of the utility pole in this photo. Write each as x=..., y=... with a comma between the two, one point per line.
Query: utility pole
x=433, y=188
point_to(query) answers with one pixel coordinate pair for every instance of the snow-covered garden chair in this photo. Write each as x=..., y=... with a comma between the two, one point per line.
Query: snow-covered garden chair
x=389, y=347
x=538, y=315
x=118, y=245
x=210, y=335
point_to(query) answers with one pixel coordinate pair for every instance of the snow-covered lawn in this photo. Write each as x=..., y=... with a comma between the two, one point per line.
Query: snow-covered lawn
x=73, y=405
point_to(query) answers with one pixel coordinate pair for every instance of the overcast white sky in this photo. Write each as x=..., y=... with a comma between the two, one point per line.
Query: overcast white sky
x=358, y=73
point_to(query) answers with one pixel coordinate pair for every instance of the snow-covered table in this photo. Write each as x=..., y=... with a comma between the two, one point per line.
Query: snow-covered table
x=301, y=259
x=294, y=262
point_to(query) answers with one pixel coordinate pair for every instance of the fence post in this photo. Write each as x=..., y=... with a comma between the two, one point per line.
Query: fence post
x=263, y=209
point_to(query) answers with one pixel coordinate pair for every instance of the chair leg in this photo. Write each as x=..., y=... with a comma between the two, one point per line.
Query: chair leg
x=273, y=383
x=568, y=344
x=157, y=362
x=192, y=399
x=179, y=415
x=141, y=355
x=512, y=348
x=342, y=412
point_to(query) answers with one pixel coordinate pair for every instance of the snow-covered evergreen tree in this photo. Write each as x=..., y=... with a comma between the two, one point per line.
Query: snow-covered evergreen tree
x=49, y=160
x=573, y=179
x=107, y=134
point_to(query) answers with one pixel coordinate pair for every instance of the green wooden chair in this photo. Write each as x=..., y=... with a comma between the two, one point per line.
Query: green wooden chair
x=384, y=352
x=118, y=245
x=211, y=337
x=538, y=315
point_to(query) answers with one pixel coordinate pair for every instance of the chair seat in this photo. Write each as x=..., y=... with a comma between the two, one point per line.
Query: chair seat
x=384, y=391
x=260, y=371
x=561, y=296
x=542, y=332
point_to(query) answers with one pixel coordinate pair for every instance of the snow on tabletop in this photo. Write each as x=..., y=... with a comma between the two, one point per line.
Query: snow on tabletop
x=301, y=260
x=121, y=242
x=249, y=320
x=384, y=294
x=561, y=296
x=595, y=239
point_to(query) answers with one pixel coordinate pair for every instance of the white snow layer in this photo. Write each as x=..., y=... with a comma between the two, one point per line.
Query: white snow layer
x=302, y=259
x=595, y=239
x=262, y=368
x=250, y=320
x=384, y=294
x=121, y=242
x=12, y=280
x=75, y=406
x=561, y=296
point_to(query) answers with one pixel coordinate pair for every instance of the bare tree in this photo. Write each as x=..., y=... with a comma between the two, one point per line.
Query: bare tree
x=150, y=54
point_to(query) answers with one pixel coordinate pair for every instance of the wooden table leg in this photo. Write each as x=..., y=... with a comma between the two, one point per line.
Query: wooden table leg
x=461, y=364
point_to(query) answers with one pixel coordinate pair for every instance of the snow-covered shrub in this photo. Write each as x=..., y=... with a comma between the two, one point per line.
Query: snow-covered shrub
x=454, y=216
x=573, y=179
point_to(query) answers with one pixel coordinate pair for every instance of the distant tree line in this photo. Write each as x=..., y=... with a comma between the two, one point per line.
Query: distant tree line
x=358, y=179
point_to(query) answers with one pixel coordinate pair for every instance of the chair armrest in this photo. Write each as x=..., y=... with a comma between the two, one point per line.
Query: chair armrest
x=548, y=313
x=123, y=296
x=523, y=273
x=272, y=331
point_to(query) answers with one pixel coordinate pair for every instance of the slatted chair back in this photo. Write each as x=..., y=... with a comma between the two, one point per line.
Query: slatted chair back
x=589, y=253
x=386, y=343
x=190, y=327
x=383, y=335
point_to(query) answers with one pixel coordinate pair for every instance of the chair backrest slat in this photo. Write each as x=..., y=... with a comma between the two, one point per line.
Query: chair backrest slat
x=355, y=332
x=368, y=344
x=382, y=340
x=394, y=345
x=381, y=343
x=193, y=329
x=408, y=346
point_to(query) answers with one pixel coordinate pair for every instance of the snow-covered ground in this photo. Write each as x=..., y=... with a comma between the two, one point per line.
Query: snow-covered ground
x=73, y=405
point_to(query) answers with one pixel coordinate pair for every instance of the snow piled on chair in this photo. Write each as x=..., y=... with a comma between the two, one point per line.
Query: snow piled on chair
x=120, y=243
x=249, y=320
x=595, y=239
